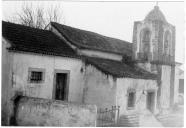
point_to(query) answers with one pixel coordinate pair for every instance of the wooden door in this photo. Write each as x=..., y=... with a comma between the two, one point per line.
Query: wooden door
x=150, y=101
x=61, y=85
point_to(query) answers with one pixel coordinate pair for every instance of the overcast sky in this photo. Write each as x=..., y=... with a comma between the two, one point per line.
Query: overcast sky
x=114, y=19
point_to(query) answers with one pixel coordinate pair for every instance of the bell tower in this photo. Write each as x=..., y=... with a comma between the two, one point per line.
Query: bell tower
x=154, y=51
x=154, y=38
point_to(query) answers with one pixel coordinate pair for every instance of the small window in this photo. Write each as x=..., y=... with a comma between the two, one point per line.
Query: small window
x=131, y=100
x=36, y=75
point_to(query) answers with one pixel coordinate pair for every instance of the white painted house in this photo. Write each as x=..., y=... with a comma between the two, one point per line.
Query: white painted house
x=66, y=63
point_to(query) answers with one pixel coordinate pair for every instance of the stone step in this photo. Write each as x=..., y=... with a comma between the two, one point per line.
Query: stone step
x=129, y=121
x=128, y=124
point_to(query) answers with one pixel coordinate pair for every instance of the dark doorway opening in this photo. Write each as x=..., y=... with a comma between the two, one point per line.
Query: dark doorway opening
x=150, y=101
x=61, y=86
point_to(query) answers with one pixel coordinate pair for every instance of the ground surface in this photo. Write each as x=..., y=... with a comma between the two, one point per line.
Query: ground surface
x=176, y=118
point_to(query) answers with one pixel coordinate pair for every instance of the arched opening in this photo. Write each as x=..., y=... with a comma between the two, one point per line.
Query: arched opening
x=145, y=42
x=167, y=44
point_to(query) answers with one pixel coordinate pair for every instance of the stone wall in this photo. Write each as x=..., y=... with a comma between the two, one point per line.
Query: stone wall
x=44, y=112
x=158, y=30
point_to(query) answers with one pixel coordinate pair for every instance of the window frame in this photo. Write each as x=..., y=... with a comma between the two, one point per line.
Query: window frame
x=30, y=70
x=131, y=91
x=67, y=84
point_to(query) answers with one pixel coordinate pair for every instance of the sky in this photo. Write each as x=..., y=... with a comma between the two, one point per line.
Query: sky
x=113, y=19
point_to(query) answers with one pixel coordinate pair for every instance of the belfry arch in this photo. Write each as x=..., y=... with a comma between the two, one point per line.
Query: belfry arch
x=167, y=42
x=145, y=38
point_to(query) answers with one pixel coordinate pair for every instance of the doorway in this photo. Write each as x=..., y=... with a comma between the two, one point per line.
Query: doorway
x=61, y=86
x=150, y=101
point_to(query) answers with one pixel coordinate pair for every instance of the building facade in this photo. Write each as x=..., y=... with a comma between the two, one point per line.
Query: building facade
x=69, y=64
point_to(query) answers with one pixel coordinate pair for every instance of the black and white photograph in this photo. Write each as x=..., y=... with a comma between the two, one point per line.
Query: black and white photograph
x=92, y=63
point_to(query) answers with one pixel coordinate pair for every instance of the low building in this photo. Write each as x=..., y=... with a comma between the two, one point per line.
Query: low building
x=69, y=64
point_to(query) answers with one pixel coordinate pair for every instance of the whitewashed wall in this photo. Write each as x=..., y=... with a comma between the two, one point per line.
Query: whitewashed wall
x=99, y=54
x=7, y=90
x=176, y=83
x=22, y=62
x=86, y=84
x=100, y=89
x=165, y=86
x=139, y=85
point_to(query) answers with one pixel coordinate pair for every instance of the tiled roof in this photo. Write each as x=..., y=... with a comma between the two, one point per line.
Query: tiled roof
x=119, y=69
x=90, y=40
x=29, y=39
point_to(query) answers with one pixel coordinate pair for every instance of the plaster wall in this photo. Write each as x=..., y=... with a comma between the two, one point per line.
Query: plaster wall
x=165, y=86
x=176, y=83
x=6, y=84
x=100, y=89
x=44, y=112
x=141, y=87
x=105, y=55
x=22, y=62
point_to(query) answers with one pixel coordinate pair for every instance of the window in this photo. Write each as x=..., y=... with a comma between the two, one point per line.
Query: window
x=131, y=99
x=36, y=75
x=181, y=85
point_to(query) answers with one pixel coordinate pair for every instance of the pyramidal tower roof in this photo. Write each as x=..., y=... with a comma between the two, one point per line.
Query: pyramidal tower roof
x=155, y=15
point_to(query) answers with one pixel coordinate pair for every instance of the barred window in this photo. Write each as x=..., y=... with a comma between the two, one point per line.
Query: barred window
x=36, y=76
